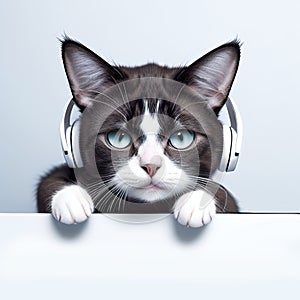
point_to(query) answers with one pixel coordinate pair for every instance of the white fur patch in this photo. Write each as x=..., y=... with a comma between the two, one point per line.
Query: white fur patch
x=151, y=151
x=72, y=205
x=168, y=180
x=195, y=209
x=149, y=124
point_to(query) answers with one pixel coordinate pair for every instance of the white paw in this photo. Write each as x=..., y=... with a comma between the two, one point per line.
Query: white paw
x=195, y=209
x=72, y=205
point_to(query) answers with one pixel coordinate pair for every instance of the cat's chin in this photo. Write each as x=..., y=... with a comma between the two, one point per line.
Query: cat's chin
x=150, y=193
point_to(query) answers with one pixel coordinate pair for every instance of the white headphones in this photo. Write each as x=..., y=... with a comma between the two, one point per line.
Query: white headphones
x=232, y=138
x=69, y=137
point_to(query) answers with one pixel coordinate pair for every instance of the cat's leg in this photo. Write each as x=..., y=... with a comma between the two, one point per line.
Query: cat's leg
x=59, y=194
x=195, y=209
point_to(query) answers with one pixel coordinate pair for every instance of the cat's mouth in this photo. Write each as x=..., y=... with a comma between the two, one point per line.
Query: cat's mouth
x=152, y=186
x=150, y=191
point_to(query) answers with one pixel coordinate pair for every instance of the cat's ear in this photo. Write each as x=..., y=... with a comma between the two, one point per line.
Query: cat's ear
x=88, y=74
x=212, y=75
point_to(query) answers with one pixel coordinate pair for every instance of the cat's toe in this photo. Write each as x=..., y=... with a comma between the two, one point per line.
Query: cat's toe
x=72, y=205
x=202, y=216
x=195, y=209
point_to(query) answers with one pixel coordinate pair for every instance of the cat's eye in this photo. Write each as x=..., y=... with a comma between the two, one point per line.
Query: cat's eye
x=182, y=139
x=119, y=139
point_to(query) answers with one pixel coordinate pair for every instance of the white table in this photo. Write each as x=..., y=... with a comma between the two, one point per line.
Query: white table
x=237, y=256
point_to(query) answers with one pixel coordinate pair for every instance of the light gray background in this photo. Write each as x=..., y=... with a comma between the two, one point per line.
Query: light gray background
x=267, y=90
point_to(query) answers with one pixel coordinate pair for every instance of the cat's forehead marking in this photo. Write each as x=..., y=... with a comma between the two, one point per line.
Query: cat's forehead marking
x=150, y=124
x=157, y=106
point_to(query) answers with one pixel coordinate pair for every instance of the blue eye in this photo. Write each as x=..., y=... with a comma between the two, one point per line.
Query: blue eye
x=119, y=139
x=182, y=139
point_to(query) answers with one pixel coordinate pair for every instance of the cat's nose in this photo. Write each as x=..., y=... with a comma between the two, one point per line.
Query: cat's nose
x=150, y=169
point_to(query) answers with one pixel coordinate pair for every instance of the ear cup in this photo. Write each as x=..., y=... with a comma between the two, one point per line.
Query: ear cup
x=227, y=144
x=75, y=150
x=226, y=148
x=66, y=142
x=233, y=155
x=229, y=158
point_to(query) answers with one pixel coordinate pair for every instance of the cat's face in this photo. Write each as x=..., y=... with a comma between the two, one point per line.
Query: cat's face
x=151, y=148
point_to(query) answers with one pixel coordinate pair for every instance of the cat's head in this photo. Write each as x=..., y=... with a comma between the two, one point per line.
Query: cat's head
x=151, y=148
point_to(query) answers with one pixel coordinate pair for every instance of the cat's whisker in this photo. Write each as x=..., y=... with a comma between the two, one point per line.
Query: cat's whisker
x=100, y=189
x=126, y=94
x=97, y=92
x=115, y=199
x=96, y=187
x=103, y=182
x=118, y=197
x=179, y=93
x=102, y=201
x=125, y=197
x=213, y=189
x=121, y=93
x=185, y=107
x=121, y=199
x=115, y=108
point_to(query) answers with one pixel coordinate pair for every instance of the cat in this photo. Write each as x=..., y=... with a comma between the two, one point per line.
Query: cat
x=143, y=151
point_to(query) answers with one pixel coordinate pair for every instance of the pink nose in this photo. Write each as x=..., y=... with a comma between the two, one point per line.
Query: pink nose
x=150, y=169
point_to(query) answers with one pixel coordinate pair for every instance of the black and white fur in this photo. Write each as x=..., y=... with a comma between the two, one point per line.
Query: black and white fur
x=153, y=171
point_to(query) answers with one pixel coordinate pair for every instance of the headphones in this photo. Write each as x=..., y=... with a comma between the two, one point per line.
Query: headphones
x=69, y=137
x=232, y=138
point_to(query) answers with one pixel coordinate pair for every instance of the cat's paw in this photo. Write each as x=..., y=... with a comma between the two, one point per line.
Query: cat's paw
x=195, y=209
x=72, y=205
